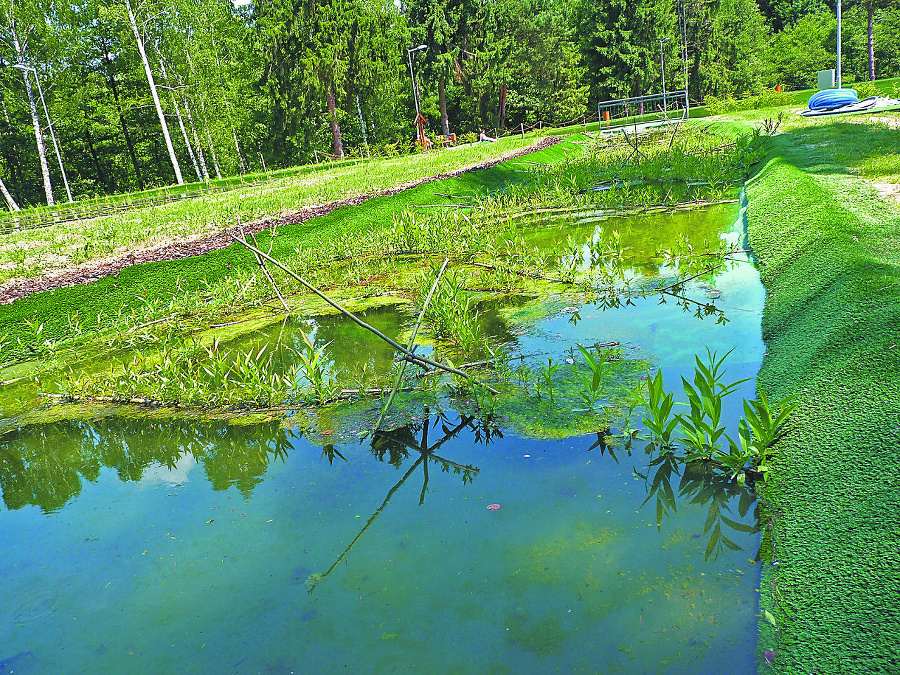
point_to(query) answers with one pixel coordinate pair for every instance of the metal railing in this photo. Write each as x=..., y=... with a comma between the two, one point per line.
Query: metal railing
x=664, y=107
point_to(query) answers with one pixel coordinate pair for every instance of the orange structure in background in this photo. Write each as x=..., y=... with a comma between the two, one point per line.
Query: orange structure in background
x=423, y=140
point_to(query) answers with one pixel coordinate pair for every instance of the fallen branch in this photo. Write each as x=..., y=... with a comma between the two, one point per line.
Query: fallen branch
x=412, y=341
x=408, y=355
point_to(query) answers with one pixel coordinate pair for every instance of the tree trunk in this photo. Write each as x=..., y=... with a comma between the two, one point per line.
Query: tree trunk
x=187, y=142
x=212, y=147
x=870, y=10
x=200, y=157
x=154, y=93
x=442, y=101
x=10, y=150
x=8, y=197
x=237, y=149
x=184, y=134
x=335, y=127
x=114, y=87
x=38, y=137
x=102, y=177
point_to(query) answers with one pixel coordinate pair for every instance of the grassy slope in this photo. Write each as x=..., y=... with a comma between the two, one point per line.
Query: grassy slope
x=72, y=243
x=830, y=250
x=159, y=280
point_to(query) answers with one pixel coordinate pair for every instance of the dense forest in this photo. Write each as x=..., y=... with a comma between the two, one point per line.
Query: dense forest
x=148, y=93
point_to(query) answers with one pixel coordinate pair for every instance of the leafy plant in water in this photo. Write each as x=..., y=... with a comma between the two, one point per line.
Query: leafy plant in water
x=593, y=383
x=660, y=420
x=312, y=360
x=546, y=377
x=758, y=431
x=702, y=425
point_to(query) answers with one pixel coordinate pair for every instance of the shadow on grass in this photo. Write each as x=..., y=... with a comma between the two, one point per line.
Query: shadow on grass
x=840, y=147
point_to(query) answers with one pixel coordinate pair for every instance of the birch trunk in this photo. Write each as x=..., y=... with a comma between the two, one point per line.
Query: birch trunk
x=159, y=111
x=200, y=157
x=8, y=197
x=184, y=134
x=187, y=142
x=212, y=151
x=237, y=149
x=38, y=137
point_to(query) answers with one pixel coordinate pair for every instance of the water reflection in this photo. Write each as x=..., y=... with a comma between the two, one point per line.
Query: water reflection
x=704, y=483
x=395, y=447
x=47, y=465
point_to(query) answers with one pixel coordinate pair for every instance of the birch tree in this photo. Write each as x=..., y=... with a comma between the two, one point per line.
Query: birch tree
x=14, y=37
x=136, y=30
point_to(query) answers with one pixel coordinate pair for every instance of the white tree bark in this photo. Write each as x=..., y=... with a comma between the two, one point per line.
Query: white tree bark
x=187, y=142
x=153, y=92
x=32, y=105
x=203, y=167
x=212, y=147
x=212, y=150
x=8, y=197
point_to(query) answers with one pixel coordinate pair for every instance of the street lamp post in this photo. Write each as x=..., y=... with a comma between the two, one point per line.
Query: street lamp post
x=662, y=69
x=412, y=75
x=23, y=67
x=838, y=44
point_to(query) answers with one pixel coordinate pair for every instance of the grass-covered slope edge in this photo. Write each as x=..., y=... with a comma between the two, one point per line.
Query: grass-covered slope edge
x=830, y=255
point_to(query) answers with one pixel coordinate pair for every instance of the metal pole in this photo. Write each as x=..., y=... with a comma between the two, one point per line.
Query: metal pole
x=412, y=77
x=662, y=70
x=838, y=44
x=53, y=136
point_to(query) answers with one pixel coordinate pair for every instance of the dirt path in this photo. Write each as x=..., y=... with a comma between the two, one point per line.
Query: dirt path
x=194, y=246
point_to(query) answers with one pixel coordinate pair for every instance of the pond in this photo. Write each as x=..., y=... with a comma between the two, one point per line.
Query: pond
x=450, y=544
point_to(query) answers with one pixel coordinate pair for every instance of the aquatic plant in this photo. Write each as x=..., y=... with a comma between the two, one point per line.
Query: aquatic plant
x=312, y=360
x=600, y=370
x=701, y=432
x=660, y=420
x=702, y=426
x=546, y=374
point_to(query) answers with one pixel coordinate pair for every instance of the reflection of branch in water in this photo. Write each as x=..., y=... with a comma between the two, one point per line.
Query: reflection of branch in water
x=382, y=442
x=316, y=579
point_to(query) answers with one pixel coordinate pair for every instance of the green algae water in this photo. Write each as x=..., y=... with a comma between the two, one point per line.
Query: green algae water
x=447, y=545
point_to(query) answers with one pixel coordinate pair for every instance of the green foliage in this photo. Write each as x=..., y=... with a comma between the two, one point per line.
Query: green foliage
x=601, y=369
x=701, y=430
x=804, y=48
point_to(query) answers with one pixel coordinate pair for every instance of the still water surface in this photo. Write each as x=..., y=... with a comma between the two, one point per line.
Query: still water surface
x=130, y=546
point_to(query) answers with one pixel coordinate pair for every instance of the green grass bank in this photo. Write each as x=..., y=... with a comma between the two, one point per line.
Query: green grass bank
x=829, y=249
x=135, y=286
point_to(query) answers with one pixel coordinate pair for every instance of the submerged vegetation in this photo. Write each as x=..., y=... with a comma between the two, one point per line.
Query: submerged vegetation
x=171, y=352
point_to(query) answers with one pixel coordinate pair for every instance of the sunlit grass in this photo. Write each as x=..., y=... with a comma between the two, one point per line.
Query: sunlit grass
x=31, y=252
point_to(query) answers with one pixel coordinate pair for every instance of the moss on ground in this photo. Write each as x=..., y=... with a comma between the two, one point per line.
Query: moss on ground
x=829, y=248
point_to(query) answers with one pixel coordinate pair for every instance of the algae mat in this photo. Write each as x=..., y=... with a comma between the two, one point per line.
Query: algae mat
x=828, y=249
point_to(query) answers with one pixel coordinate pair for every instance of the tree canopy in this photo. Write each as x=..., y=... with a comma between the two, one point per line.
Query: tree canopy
x=142, y=93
